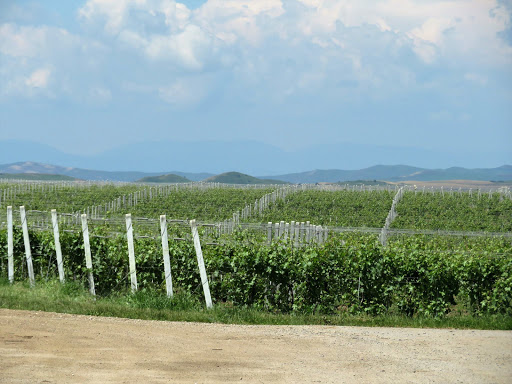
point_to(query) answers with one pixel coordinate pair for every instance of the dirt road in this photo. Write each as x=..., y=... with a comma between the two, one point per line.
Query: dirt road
x=38, y=347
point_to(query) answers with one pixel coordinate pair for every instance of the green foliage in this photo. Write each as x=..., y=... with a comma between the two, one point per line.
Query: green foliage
x=201, y=204
x=45, y=197
x=349, y=274
x=455, y=211
x=335, y=208
x=73, y=298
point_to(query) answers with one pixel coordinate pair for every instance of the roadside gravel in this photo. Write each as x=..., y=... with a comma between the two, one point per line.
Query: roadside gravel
x=39, y=347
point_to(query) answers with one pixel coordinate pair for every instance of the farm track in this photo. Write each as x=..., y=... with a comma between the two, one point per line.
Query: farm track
x=39, y=347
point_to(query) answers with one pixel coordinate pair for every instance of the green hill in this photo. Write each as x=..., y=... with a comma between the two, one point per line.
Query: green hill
x=169, y=178
x=36, y=176
x=240, y=178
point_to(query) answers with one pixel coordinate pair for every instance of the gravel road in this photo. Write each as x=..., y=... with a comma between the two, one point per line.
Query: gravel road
x=39, y=347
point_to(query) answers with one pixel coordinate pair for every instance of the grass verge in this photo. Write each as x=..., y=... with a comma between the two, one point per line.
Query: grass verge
x=73, y=298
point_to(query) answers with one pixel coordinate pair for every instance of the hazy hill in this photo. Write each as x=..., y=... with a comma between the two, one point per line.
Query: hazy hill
x=169, y=178
x=249, y=157
x=379, y=172
x=89, y=174
x=36, y=176
x=502, y=173
x=239, y=178
x=398, y=173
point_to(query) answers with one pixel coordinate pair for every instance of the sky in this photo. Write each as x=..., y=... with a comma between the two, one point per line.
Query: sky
x=89, y=76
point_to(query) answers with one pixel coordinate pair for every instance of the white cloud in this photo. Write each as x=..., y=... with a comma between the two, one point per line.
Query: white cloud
x=186, y=47
x=277, y=47
x=27, y=41
x=38, y=78
x=45, y=61
x=176, y=39
x=233, y=20
x=433, y=29
x=113, y=10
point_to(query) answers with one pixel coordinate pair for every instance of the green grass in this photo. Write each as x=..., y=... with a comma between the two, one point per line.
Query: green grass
x=73, y=298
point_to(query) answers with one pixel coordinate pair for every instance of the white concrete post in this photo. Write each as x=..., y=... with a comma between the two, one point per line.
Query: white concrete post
x=88, y=257
x=10, y=247
x=26, y=240
x=131, y=252
x=58, y=250
x=200, y=262
x=165, y=253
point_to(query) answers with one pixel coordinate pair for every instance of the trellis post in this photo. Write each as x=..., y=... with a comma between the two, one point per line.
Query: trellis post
x=165, y=254
x=26, y=240
x=58, y=249
x=200, y=262
x=131, y=252
x=88, y=257
x=10, y=248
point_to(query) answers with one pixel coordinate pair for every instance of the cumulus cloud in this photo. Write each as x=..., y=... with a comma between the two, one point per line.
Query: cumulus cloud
x=276, y=48
x=45, y=60
x=38, y=78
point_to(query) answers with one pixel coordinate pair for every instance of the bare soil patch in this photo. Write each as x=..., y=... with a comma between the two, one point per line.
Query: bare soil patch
x=475, y=184
x=39, y=347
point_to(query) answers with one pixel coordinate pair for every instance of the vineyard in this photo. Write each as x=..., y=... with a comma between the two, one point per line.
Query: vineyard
x=444, y=250
x=333, y=208
x=455, y=212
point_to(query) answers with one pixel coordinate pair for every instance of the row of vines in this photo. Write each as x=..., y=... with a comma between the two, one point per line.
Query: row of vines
x=448, y=212
x=350, y=273
x=461, y=211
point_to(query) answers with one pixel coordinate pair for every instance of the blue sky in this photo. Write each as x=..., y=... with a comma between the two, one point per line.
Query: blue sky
x=87, y=76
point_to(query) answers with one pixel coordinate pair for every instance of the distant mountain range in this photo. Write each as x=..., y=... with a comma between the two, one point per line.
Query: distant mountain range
x=36, y=177
x=398, y=173
x=394, y=173
x=248, y=157
x=88, y=174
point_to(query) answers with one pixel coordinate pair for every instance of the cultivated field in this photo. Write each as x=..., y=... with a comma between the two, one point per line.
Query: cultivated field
x=334, y=249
